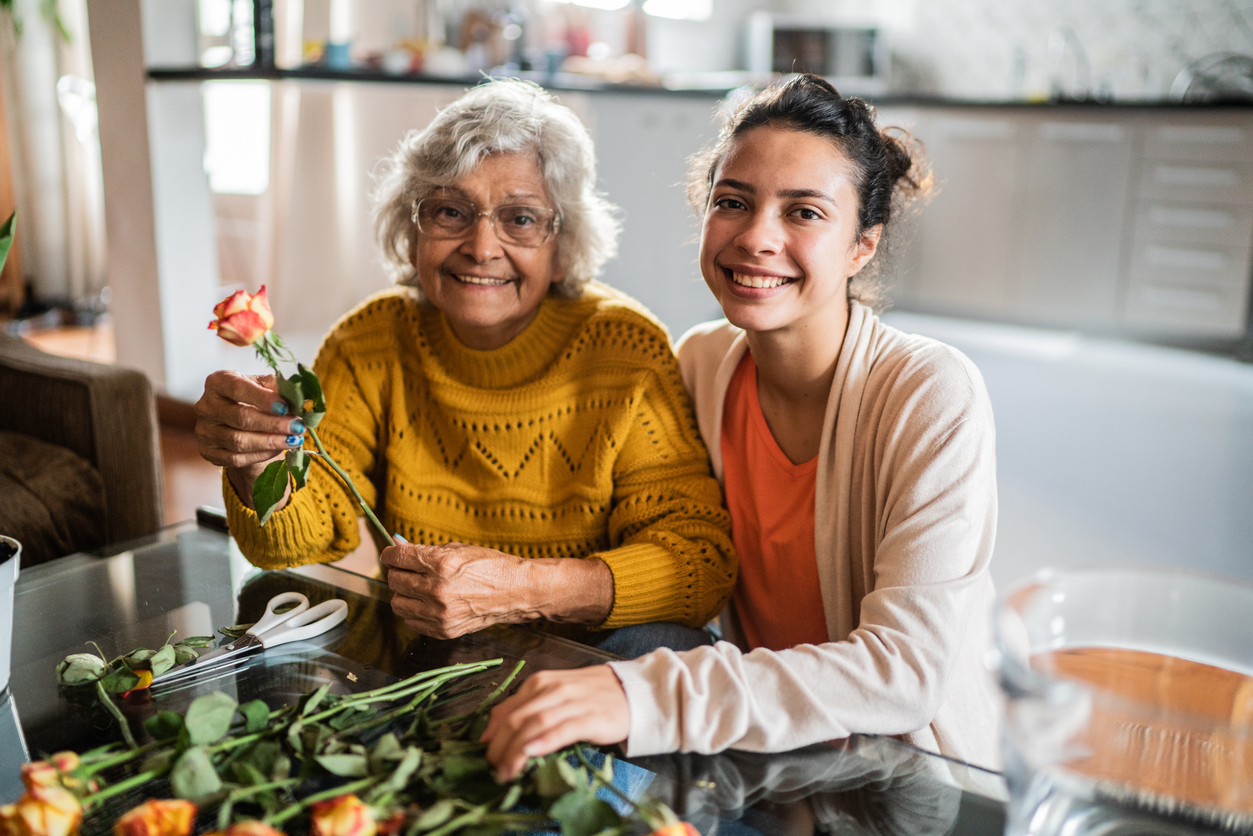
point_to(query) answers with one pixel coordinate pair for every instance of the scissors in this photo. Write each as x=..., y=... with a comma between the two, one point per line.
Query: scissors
x=296, y=624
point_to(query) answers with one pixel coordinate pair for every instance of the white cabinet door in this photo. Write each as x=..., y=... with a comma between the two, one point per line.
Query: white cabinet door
x=1073, y=223
x=964, y=249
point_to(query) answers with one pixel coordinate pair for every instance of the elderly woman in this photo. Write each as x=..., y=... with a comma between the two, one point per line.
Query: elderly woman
x=524, y=430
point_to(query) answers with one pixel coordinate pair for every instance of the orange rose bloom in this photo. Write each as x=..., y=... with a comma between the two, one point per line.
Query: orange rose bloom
x=343, y=816
x=677, y=829
x=242, y=318
x=42, y=811
x=157, y=817
x=251, y=827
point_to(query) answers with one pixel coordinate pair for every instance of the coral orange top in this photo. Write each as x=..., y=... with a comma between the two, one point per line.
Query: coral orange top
x=771, y=500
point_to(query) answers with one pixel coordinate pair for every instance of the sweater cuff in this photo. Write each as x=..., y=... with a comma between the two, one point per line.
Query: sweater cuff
x=654, y=728
x=644, y=585
x=275, y=545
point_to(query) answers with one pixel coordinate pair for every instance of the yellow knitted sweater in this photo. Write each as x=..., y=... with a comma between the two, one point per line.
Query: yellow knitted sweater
x=576, y=439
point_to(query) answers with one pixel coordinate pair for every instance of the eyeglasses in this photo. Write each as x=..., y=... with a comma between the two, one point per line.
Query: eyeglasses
x=525, y=226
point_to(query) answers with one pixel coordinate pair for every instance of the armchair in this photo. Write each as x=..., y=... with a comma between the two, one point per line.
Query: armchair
x=79, y=460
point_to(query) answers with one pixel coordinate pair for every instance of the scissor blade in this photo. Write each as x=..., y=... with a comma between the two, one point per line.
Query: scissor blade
x=211, y=660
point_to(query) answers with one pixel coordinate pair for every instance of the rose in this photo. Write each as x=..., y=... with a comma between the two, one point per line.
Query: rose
x=80, y=669
x=346, y=815
x=157, y=817
x=50, y=773
x=251, y=827
x=242, y=318
x=42, y=811
x=681, y=828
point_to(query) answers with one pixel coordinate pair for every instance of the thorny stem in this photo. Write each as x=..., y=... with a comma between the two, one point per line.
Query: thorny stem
x=365, y=506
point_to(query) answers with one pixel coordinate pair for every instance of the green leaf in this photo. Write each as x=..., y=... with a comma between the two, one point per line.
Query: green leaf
x=193, y=776
x=387, y=747
x=183, y=655
x=247, y=774
x=312, y=701
x=256, y=715
x=345, y=766
x=581, y=813
x=457, y=767
x=511, y=798
x=163, y=660
x=236, y=630
x=549, y=780
x=435, y=815
x=6, y=237
x=312, y=389
x=268, y=490
x=298, y=465
x=164, y=725
x=118, y=681
x=209, y=718
x=196, y=641
x=404, y=770
x=290, y=391
x=139, y=659
x=158, y=761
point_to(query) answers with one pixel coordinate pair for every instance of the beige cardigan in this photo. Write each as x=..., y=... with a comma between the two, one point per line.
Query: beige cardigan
x=904, y=527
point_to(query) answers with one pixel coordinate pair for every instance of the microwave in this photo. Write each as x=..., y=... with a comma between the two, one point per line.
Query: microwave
x=852, y=57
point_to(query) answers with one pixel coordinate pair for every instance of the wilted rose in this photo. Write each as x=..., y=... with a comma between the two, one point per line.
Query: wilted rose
x=42, y=811
x=242, y=318
x=157, y=817
x=80, y=669
x=145, y=680
x=251, y=827
x=346, y=815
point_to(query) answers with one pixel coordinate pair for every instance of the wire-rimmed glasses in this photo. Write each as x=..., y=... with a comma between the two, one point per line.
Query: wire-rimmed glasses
x=447, y=217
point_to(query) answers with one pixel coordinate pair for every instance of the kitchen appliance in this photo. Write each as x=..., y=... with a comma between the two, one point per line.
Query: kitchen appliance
x=853, y=57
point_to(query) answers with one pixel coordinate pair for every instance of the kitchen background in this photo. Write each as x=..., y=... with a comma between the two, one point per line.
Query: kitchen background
x=1089, y=247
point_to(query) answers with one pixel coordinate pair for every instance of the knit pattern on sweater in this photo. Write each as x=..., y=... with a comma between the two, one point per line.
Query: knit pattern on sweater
x=576, y=439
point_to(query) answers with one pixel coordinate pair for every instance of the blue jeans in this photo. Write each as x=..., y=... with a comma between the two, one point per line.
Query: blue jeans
x=638, y=639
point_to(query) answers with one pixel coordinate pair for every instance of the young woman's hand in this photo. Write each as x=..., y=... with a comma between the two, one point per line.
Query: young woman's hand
x=552, y=710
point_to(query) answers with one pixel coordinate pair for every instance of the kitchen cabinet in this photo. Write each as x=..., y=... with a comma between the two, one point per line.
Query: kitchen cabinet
x=1126, y=221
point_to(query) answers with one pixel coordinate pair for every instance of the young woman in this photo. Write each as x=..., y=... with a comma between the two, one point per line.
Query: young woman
x=859, y=470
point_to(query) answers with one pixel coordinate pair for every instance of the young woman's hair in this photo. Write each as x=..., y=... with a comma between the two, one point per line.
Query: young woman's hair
x=889, y=164
x=500, y=117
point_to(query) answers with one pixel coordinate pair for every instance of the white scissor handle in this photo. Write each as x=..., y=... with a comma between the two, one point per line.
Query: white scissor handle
x=307, y=624
x=272, y=619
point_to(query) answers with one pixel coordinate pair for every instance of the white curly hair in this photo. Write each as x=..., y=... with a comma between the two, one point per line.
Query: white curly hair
x=505, y=116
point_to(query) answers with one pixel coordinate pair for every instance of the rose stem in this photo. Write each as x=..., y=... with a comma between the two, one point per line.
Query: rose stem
x=117, y=714
x=326, y=457
x=307, y=801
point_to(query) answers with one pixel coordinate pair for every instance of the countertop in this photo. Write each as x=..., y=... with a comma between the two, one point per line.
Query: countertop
x=715, y=85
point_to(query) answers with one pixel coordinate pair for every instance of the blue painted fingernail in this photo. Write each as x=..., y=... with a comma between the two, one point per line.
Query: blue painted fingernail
x=278, y=408
x=293, y=441
x=297, y=426
x=400, y=539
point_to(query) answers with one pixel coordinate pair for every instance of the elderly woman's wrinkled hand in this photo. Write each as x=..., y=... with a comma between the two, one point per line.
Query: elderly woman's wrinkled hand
x=450, y=590
x=552, y=710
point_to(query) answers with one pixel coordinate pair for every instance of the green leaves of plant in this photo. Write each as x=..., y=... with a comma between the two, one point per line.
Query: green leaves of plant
x=163, y=660
x=209, y=718
x=80, y=669
x=165, y=725
x=6, y=237
x=581, y=813
x=193, y=776
x=256, y=715
x=269, y=489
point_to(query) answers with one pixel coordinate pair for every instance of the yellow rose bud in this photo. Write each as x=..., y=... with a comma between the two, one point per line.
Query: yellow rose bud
x=343, y=816
x=157, y=817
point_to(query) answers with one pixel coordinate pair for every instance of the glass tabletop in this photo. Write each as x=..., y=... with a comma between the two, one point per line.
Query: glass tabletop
x=193, y=580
